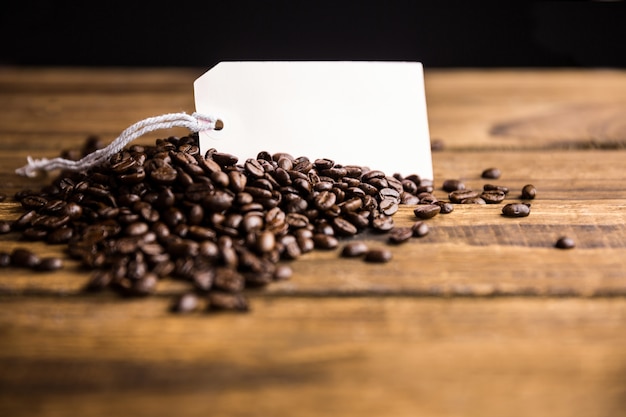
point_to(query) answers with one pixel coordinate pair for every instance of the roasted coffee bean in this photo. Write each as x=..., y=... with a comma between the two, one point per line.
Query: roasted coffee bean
x=420, y=229
x=5, y=259
x=529, y=192
x=24, y=258
x=565, y=242
x=383, y=223
x=282, y=272
x=473, y=200
x=516, y=210
x=185, y=303
x=354, y=249
x=400, y=235
x=34, y=233
x=453, y=185
x=324, y=241
x=426, y=211
x=491, y=173
x=221, y=301
x=493, y=196
x=5, y=226
x=446, y=207
x=49, y=264
x=388, y=206
x=380, y=255
x=457, y=197
x=343, y=227
x=492, y=187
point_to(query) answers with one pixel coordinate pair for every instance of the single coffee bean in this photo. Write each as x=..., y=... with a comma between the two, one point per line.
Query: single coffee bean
x=400, y=235
x=516, y=210
x=493, y=196
x=458, y=196
x=221, y=301
x=325, y=241
x=383, y=223
x=492, y=187
x=446, y=207
x=453, y=185
x=529, y=192
x=24, y=258
x=491, y=173
x=185, y=303
x=378, y=255
x=565, y=242
x=426, y=211
x=343, y=227
x=282, y=272
x=5, y=259
x=5, y=226
x=49, y=264
x=420, y=229
x=473, y=200
x=354, y=249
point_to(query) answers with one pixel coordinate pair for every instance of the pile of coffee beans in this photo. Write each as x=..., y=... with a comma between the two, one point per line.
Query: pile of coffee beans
x=221, y=224
x=216, y=222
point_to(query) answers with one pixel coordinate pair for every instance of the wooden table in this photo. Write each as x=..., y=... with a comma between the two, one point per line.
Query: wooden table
x=483, y=317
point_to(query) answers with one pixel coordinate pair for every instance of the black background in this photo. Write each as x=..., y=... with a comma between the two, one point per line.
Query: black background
x=438, y=33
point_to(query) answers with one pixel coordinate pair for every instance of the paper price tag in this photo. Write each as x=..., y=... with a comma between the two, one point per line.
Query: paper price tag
x=356, y=113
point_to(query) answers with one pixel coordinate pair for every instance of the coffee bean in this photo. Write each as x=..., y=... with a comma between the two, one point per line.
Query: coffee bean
x=491, y=173
x=324, y=241
x=185, y=303
x=49, y=264
x=458, y=196
x=492, y=187
x=221, y=301
x=378, y=255
x=516, y=210
x=420, y=229
x=453, y=185
x=5, y=259
x=565, y=242
x=24, y=258
x=400, y=235
x=354, y=249
x=493, y=196
x=5, y=226
x=446, y=207
x=426, y=211
x=343, y=227
x=529, y=192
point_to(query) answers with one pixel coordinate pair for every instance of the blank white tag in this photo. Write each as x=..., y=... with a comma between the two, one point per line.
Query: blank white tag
x=356, y=113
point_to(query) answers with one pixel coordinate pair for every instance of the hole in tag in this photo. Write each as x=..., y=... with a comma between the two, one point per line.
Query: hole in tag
x=219, y=125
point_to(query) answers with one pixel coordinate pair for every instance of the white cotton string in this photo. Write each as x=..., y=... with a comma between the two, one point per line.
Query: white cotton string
x=195, y=122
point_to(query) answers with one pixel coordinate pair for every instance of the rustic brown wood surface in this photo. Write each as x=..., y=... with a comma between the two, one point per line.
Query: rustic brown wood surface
x=482, y=317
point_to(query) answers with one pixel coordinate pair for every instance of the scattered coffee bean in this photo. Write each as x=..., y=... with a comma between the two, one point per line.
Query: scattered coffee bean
x=381, y=255
x=400, y=235
x=420, y=229
x=446, y=207
x=24, y=258
x=222, y=301
x=49, y=264
x=426, y=211
x=5, y=259
x=491, y=173
x=354, y=249
x=5, y=226
x=529, y=192
x=516, y=210
x=453, y=185
x=458, y=196
x=492, y=187
x=565, y=242
x=185, y=303
x=493, y=196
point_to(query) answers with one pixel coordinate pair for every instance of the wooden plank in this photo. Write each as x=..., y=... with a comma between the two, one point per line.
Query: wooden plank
x=396, y=356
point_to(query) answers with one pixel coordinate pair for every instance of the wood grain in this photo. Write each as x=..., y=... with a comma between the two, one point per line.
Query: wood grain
x=482, y=317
